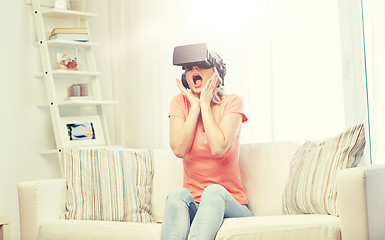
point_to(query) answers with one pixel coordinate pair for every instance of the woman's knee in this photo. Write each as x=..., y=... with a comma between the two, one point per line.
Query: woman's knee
x=214, y=190
x=179, y=195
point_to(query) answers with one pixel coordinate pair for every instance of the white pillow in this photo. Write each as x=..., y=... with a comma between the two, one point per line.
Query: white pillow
x=311, y=188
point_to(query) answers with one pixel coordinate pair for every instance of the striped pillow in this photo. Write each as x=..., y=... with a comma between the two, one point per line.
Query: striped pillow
x=112, y=184
x=311, y=188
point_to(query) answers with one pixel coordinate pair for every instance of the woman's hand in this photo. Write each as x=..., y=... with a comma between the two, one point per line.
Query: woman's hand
x=182, y=131
x=210, y=89
x=194, y=101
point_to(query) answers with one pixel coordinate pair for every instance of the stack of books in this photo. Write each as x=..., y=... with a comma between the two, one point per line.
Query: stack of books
x=78, y=92
x=74, y=34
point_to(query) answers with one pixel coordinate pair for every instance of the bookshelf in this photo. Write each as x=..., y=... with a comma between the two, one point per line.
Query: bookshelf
x=75, y=119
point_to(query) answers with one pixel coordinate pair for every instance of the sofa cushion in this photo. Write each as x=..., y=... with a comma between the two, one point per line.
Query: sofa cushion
x=264, y=170
x=311, y=187
x=98, y=230
x=298, y=227
x=112, y=184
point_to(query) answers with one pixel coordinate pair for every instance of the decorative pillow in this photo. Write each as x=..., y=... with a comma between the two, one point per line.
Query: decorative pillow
x=112, y=184
x=311, y=188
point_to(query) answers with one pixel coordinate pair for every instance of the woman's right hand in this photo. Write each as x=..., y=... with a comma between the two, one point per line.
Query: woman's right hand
x=194, y=100
x=182, y=131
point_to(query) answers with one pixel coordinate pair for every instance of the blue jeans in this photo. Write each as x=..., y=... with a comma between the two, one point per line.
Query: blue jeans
x=183, y=216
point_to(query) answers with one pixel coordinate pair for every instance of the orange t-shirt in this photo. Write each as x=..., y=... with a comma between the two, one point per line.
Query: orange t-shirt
x=201, y=168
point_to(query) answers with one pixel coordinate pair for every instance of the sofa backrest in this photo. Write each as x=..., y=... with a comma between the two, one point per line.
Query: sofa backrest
x=264, y=169
x=168, y=174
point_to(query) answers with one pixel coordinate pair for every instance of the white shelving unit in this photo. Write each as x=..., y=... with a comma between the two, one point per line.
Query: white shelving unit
x=57, y=80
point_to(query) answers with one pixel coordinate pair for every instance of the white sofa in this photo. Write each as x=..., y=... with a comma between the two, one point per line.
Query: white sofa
x=265, y=168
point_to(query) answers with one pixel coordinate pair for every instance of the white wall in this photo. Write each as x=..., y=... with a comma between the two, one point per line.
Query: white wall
x=26, y=129
x=307, y=75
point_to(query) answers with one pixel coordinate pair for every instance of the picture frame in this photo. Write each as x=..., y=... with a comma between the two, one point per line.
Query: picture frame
x=82, y=131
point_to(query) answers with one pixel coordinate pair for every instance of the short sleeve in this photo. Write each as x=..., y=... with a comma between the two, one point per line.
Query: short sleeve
x=178, y=107
x=234, y=104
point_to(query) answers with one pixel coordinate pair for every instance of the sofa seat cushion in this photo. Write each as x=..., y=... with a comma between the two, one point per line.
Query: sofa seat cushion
x=295, y=227
x=98, y=230
x=298, y=227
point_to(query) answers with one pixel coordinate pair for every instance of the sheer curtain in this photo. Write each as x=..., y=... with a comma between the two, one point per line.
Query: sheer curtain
x=374, y=30
x=283, y=58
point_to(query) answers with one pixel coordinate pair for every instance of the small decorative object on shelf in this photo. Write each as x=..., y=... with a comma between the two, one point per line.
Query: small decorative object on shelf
x=82, y=131
x=79, y=5
x=60, y=4
x=67, y=59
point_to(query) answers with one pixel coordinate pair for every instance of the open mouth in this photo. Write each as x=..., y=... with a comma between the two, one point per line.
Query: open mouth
x=197, y=80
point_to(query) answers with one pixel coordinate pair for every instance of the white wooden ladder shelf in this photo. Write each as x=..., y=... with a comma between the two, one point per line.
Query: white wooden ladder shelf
x=71, y=78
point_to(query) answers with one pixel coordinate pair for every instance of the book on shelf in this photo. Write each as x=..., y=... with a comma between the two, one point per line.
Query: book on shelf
x=69, y=30
x=77, y=90
x=79, y=37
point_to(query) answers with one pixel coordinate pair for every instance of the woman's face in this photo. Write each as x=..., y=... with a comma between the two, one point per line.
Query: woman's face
x=198, y=77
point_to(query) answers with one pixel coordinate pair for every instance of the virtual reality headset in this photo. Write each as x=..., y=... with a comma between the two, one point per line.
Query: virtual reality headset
x=188, y=56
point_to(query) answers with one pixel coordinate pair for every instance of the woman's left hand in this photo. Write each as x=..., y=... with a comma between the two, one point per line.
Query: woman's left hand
x=210, y=89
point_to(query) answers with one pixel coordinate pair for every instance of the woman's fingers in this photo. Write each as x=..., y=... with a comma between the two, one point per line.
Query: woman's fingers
x=192, y=99
x=208, y=86
x=214, y=82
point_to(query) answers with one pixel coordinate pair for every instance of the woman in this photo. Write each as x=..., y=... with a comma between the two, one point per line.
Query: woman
x=205, y=125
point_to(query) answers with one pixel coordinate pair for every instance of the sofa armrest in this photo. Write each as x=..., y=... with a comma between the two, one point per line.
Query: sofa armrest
x=40, y=201
x=361, y=199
